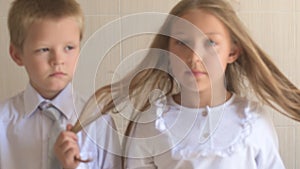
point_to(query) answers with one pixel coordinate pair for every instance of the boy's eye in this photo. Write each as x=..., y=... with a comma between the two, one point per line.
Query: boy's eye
x=67, y=48
x=42, y=50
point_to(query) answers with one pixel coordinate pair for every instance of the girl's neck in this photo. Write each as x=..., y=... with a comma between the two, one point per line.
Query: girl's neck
x=201, y=99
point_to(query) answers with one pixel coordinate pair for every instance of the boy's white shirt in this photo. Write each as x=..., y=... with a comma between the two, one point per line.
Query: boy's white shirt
x=24, y=132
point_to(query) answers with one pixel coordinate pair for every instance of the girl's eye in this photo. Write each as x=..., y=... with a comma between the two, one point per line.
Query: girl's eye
x=67, y=48
x=182, y=42
x=178, y=42
x=210, y=42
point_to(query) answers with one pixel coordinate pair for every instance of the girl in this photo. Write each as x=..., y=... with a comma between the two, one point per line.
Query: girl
x=204, y=123
x=200, y=117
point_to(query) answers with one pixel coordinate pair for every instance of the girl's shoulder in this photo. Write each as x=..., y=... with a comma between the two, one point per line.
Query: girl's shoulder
x=241, y=123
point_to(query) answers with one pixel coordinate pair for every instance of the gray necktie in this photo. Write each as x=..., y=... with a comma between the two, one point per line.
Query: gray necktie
x=55, y=115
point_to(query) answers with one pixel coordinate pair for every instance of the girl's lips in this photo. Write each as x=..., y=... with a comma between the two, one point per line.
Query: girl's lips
x=196, y=73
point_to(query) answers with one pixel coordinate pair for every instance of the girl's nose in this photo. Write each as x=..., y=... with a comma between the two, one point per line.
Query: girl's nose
x=194, y=59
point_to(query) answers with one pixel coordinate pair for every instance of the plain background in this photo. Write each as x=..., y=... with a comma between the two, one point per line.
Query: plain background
x=274, y=24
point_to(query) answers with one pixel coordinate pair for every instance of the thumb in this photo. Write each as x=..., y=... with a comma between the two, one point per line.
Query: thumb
x=69, y=127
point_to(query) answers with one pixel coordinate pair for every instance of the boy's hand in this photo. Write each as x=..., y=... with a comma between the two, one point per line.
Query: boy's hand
x=66, y=149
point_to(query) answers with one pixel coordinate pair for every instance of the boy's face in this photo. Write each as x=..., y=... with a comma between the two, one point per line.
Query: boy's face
x=50, y=53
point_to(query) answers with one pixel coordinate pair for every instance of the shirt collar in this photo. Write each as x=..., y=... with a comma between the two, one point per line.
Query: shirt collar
x=63, y=101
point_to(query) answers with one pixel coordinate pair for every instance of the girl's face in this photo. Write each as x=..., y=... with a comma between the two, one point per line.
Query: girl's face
x=201, y=48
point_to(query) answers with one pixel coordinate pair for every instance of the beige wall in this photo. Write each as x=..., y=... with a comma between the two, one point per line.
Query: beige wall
x=275, y=24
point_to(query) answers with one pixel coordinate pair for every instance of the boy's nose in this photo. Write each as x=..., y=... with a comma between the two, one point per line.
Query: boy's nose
x=57, y=58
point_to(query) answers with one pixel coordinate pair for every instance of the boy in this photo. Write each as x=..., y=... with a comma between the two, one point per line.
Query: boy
x=45, y=39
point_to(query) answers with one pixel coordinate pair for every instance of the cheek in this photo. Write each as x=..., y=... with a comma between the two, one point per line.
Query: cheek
x=72, y=63
x=178, y=51
x=215, y=66
x=178, y=70
x=32, y=63
x=35, y=71
x=223, y=60
x=217, y=59
x=177, y=64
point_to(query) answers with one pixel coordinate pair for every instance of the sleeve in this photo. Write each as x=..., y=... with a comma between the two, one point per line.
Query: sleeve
x=268, y=155
x=101, y=143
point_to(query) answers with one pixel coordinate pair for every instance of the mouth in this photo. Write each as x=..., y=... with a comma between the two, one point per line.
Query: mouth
x=196, y=73
x=57, y=74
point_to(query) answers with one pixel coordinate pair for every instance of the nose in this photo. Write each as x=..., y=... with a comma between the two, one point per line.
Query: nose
x=57, y=58
x=194, y=58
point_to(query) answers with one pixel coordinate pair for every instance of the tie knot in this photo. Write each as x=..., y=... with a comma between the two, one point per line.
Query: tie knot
x=50, y=110
x=44, y=105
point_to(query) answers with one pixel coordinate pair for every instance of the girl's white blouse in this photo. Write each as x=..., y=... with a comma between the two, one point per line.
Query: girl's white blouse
x=235, y=135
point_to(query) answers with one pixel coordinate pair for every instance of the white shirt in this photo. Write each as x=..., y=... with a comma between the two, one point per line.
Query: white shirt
x=24, y=131
x=235, y=135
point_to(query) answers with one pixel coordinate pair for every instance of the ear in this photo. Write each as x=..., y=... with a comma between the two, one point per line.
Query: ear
x=234, y=53
x=15, y=54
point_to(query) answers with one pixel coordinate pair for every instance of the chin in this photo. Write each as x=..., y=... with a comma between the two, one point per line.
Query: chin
x=59, y=86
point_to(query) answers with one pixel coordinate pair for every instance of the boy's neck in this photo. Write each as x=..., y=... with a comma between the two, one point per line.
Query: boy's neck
x=48, y=95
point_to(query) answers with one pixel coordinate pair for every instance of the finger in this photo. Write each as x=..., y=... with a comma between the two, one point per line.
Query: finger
x=67, y=152
x=66, y=155
x=79, y=159
x=71, y=148
x=69, y=127
x=66, y=135
x=68, y=158
x=67, y=145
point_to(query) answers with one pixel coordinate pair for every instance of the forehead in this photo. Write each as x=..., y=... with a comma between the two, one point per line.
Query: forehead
x=53, y=31
x=197, y=21
x=49, y=25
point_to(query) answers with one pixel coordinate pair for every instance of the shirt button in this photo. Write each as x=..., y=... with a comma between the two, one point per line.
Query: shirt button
x=204, y=113
x=205, y=135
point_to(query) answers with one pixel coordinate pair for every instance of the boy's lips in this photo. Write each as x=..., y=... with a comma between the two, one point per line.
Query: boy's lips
x=57, y=74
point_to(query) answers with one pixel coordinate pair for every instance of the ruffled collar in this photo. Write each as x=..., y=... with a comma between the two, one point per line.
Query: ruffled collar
x=220, y=130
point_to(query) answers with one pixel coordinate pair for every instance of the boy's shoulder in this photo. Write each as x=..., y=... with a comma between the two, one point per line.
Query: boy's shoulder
x=11, y=107
x=15, y=106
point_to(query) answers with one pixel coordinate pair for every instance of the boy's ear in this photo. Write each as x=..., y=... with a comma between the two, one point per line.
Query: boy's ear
x=15, y=54
x=234, y=53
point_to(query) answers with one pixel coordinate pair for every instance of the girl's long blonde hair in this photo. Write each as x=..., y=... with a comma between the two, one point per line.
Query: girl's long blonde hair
x=269, y=84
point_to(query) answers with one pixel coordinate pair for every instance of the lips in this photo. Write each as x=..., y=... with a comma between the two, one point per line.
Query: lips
x=196, y=73
x=57, y=74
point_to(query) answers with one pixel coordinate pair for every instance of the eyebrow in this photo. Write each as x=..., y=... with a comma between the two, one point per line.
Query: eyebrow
x=177, y=33
x=213, y=33
x=206, y=33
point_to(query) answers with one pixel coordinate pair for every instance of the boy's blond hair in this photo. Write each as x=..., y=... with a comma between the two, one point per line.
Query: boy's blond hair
x=25, y=12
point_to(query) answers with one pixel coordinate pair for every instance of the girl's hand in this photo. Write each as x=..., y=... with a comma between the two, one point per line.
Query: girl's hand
x=66, y=149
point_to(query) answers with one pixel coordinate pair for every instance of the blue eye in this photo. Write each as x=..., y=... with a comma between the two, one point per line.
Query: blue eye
x=182, y=42
x=179, y=42
x=210, y=42
x=69, y=48
x=43, y=50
